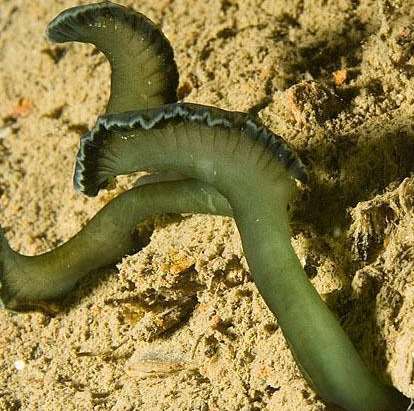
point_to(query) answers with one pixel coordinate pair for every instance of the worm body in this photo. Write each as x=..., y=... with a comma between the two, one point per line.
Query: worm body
x=248, y=165
x=143, y=70
x=194, y=137
x=252, y=168
x=103, y=241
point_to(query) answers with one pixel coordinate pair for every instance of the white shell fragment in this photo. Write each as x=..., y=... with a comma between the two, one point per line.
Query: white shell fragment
x=154, y=364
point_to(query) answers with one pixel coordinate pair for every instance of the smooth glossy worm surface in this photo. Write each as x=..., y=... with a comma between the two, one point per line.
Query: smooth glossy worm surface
x=230, y=151
x=143, y=70
x=253, y=169
x=103, y=241
x=102, y=153
x=24, y=280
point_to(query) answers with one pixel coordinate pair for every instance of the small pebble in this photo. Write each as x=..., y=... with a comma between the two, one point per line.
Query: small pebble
x=19, y=365
x=5, y=132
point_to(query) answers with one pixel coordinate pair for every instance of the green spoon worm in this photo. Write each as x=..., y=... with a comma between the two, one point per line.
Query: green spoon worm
x=107, y=237
x=27, y=279
x=252, y=168
x=143, y=70
x=263, y=226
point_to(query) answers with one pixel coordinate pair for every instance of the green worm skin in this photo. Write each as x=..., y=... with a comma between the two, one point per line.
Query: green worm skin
x=143, y=70
x=27, y=279
x=107, y=237
x=252, y=168
x=126, y=94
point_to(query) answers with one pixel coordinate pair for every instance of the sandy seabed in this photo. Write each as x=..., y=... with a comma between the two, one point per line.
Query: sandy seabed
x=180, y=325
